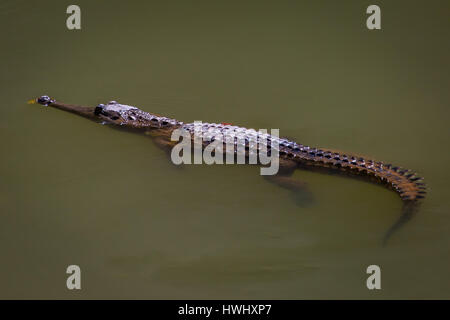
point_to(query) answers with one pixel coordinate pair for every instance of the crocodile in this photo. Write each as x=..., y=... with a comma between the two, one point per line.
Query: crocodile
x=292, y=155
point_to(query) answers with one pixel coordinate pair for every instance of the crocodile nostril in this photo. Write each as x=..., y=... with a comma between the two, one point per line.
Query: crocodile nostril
x=44, y=100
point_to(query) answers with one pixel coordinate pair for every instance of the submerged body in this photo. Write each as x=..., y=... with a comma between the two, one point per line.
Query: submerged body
x=292, y=155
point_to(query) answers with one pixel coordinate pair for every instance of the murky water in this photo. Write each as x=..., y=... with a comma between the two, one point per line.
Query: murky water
x=75, y=192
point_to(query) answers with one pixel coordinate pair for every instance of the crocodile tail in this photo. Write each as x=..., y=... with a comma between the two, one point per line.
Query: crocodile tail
x=406, y=183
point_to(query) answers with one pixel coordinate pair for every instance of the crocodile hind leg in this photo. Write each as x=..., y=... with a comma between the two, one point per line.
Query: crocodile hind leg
x=300, y=193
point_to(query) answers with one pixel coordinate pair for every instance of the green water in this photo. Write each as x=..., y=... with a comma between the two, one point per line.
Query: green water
x=75, y=192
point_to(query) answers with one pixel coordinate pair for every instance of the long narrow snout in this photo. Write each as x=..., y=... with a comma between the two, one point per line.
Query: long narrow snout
x=114, y=113
x=86, y=112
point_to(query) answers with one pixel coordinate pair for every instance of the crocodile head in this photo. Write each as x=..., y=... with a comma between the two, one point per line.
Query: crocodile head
x=112, y=113
x=117, y=113
x=130, y=116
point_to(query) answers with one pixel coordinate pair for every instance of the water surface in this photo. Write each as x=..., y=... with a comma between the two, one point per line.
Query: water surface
x=76, y=192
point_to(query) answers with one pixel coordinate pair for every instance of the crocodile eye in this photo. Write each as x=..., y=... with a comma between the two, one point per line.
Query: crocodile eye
x=99, y=109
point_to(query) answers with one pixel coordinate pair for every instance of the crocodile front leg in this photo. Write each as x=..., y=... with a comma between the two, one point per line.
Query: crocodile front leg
x=164, y=143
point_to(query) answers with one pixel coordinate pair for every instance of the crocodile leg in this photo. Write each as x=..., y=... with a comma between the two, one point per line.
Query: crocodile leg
x=283, y=177
x=408, y=211
x=166, y=145
x=302, y=196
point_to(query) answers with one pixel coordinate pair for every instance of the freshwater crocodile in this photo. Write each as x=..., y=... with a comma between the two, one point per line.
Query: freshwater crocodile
x=292, y=155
